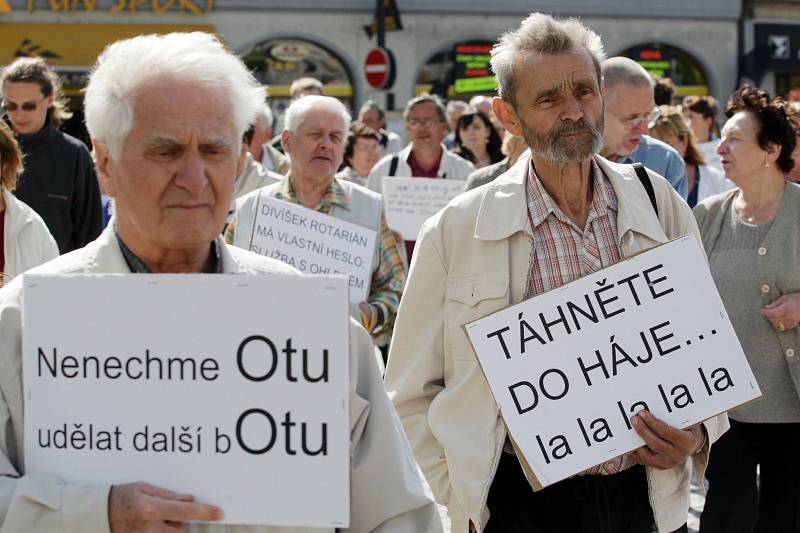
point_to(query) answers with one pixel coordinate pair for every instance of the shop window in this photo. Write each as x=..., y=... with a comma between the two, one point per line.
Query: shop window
x=460, y=71
x=667, y=61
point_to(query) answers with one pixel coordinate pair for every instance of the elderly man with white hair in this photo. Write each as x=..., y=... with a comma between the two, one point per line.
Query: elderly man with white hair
x=630, y=109
x=559, y=213
x=166, y=115
x=315, y=134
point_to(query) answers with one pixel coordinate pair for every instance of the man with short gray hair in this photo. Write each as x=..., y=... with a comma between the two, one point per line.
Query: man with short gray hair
x=315, y=134
x=558, y=214
x=630, y=109
x=425, y=156
x=168, y=141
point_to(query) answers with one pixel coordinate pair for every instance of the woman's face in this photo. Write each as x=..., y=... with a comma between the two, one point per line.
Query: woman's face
x=742, y=158
x=701, y=126
x=671, y=139
x=366, y=153
x=475, y=133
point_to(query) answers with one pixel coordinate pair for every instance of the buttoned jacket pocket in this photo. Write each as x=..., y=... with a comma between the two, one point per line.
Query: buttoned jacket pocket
x=467, y=299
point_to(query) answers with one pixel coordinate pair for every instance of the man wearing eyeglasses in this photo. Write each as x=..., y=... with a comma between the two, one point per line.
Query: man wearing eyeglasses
x=425, y=156
x=630, y=108
x=59, y=181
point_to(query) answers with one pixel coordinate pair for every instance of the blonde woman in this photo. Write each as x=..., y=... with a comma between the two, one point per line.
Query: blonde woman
x=703, y=180
x=25, y=241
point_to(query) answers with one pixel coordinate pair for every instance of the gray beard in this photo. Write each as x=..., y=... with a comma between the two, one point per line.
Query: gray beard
x=556, y=150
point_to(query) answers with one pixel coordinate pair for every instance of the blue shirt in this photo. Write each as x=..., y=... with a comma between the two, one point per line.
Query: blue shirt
x=662, y=159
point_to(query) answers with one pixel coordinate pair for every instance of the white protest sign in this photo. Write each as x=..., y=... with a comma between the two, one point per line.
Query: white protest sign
x=230, y=388
x=314, y=242
x=409, y=202
x=568, y=368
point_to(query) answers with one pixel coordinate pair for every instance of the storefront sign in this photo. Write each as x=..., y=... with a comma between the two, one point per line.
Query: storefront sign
x=231, y=388
x=568, y=368
x=192, y=7
x=472, y=70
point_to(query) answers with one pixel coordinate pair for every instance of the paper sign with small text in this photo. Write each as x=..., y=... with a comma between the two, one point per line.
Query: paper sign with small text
x=409, y=202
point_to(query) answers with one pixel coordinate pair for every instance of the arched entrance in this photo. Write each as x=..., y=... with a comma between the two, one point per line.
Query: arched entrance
x=667, y=61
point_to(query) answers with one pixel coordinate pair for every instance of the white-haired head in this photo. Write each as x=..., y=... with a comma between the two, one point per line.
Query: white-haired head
x=298, y=109
x=543, y=34
x=125, y=66
x=625, y=71
x=264, y=115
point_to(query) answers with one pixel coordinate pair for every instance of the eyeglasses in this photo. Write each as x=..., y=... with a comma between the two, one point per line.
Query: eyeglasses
x=422, y=122
x=631, y=121
x=25, y=106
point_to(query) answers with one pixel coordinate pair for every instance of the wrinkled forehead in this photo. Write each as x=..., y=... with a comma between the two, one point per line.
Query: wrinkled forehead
x=322, y=119
x=535, y=71
x=742, y=122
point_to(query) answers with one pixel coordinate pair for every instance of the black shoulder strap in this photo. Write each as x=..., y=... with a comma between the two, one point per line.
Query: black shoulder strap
x=393, y=166
x=645, y=179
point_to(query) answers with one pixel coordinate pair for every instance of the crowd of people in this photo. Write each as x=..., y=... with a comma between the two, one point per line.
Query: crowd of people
x=172, y=183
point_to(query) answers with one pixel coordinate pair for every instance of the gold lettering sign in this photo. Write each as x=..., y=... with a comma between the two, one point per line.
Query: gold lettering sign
x=194, y=7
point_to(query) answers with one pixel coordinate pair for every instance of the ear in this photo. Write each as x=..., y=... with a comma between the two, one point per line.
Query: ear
x=506, y=114
x=103, y=162
x=773, y=152
x=286, y=141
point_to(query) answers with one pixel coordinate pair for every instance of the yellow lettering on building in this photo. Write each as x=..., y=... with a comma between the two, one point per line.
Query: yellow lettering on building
x=162, y=6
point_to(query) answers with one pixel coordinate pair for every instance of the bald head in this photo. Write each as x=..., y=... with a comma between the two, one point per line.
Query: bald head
x=625, y=71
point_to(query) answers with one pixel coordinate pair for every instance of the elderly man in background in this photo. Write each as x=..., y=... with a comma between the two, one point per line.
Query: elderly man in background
x=373, y=116
x=316, y=129
x=558, y=214
x=168, y=141
x=630, y=108
x=425, y=156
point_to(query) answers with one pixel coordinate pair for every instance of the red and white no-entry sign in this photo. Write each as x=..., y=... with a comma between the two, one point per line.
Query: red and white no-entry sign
x=379, y=68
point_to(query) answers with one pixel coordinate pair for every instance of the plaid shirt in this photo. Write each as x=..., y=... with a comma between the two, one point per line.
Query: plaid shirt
x=563, y=252
x=389, y=278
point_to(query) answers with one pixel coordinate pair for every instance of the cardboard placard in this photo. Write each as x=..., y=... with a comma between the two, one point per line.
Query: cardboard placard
x=314, y=243
x=568, y=368
x=409, y=202
x=230, y=388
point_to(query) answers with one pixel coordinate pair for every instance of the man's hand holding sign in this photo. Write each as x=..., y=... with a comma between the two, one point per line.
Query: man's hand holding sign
x=638, y=353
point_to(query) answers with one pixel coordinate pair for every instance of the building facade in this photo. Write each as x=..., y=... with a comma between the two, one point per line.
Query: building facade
x=694, y=43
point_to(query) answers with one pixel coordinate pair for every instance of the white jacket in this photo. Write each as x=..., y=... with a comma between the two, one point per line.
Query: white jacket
x=472, y=259
x=451, y=166
x=26, y=240
x=712, y=181
x=388, y=494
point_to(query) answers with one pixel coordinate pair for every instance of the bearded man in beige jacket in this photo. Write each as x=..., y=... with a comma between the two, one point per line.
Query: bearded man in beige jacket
x=557, y=214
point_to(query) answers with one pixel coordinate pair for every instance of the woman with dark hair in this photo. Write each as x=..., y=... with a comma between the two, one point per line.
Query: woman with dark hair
x=25, y=241
x=361, y=151
x=476, y=139
x=753, y=246
x=703, y=180
x=701, y=114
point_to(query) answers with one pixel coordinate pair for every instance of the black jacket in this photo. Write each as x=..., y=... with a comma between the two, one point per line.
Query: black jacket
x=59, y=183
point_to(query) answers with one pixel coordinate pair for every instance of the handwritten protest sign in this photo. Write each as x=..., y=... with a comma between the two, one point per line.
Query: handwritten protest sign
x=314, y=242
x=409, y=202
x=568, y=368
x=248, y=412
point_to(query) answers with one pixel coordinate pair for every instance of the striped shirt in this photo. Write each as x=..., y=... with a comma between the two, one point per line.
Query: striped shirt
x=563, y=252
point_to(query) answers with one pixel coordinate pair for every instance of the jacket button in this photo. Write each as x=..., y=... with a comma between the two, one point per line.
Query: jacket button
x=765, y=288
x=790, y=353
x=762, y=251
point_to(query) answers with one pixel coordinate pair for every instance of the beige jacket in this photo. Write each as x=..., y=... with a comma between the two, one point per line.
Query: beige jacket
x=388, y=493
x=26, y=240
x=472, y=259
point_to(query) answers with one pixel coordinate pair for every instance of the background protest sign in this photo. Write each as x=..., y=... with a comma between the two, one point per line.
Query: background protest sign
x=314, y=242
x=248, y=411
x=409, y=202
x=569, y=367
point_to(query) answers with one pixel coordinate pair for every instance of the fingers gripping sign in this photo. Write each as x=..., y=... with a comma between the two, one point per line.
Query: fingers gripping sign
x=140, y=507
x=665, y=446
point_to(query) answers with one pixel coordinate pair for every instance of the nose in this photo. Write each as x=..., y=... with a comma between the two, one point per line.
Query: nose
x=641, y=128
x=192, y=175
x=722, y=147
x=573, y=110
